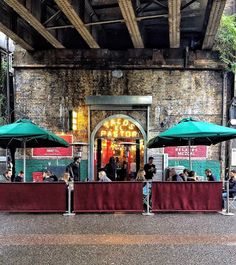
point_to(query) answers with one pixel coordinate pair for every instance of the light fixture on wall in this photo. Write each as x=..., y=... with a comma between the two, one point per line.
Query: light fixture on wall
x=117, y=73
x=232, y=122
x=72, y=120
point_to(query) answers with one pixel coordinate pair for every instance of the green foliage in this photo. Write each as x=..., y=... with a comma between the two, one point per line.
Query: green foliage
x=226, y=41
x=3, y=70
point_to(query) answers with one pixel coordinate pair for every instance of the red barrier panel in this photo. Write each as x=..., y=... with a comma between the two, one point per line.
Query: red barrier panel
x=108, y=196
x=186, y=196
x=33, y=197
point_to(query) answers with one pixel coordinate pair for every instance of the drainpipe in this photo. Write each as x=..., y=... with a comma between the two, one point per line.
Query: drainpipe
x=186, y=55
x=8, y=84
x=223, y=122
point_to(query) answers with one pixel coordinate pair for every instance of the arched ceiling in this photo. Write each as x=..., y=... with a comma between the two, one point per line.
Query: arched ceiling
x=111, y=24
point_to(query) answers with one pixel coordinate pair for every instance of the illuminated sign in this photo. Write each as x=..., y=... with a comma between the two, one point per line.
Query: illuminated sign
x=118, y=128
x=80, y=123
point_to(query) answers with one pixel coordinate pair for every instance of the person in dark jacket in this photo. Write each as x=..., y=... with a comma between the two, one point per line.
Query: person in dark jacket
x=74, y=169
x=124, y=171
x=19, y=177
x=110, y=169
x=209, y=175
x=150, y=168
x=232, y=187
x=49, y=177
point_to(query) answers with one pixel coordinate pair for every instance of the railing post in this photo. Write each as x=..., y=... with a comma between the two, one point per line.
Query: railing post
x=68, y=212
x=148, y=199
x=227, y=198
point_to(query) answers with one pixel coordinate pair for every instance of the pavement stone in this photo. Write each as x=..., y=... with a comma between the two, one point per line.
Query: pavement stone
x=166, y=238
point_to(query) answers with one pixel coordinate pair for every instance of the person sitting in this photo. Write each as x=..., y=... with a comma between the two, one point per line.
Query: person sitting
x=103, y=177
x=49, y=177
x=185, y=174
x=19, y=177
x=232, y=187
x=6, y=177
x=192, y=176
x=65, y=178
x=141, y=175
x=173, y=176
x=209, y=175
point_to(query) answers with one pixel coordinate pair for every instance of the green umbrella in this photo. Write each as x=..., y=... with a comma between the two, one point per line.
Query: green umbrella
x=24, y=133
x=192, y=132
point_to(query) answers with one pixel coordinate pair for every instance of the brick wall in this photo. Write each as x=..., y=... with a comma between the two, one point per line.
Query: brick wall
x=46, y=95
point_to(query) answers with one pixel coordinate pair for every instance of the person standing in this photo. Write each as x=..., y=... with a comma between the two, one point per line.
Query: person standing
x=10, y=168
x=133, y=170
x=150, y=168
x=124, y=171
x=74, y=169
x=9, y=164
x=110, y=169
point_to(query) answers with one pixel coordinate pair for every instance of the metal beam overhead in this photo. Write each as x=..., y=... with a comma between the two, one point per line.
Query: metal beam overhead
x=76, y=21
x=15, y=38
x=174, y=22
x=52, y=17
x=213, y=23
x=188, y=4
x=26, y=15
x=131, y=22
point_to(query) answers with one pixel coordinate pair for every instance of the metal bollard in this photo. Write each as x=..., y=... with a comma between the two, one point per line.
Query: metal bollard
x=148, y=201
x=68, y=212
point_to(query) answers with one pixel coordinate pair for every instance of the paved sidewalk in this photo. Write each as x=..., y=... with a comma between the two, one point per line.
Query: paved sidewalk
x=193, y=238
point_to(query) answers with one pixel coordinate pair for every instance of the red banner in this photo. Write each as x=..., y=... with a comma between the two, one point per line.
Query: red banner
x=186, y=196
x=114, y=196
x=33, y=197
x=55, y=151
x=198, y=151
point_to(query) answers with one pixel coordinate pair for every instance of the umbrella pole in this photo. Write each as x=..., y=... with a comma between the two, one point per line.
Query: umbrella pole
x=189, y=154
x=24, y=159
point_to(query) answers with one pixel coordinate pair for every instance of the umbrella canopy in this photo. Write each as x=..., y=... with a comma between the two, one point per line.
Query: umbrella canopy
x=200, y=131
x=25, y=134
x=14, y=134
x=192, y=132
x=197, y=132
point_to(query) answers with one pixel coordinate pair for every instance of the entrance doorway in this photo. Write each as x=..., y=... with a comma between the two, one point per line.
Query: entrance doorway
x=123, y=138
